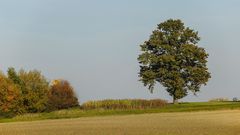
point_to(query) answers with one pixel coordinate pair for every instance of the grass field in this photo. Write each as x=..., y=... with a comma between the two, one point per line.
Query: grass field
x=223, y=122
x=77, y=113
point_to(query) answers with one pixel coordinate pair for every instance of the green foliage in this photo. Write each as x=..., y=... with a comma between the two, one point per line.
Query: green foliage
x=34, y=88
x=124, y=104
x=61, y=96
x=172, y=58
x=12, y=75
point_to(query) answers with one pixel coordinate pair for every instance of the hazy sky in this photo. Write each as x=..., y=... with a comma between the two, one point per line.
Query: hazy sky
x=95, y=44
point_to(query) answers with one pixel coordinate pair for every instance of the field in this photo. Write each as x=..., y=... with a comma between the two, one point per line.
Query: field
x=77, y=113
x=201, y=118
x=224, y=122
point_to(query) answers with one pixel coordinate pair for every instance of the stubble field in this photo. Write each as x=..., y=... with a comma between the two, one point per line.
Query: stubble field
x=180, y=123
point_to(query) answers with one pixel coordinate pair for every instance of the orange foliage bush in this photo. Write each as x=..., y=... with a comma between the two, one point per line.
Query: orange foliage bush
x=9, y=96
x=61, y=96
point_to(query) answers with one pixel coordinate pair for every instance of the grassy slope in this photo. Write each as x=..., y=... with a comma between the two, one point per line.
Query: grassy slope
x=221, y=122
x=76, y=113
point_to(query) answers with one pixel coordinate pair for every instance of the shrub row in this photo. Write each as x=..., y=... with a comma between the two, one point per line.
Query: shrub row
x=235, y=99
x=124, y=104
x=219, y=100
x=30, y=92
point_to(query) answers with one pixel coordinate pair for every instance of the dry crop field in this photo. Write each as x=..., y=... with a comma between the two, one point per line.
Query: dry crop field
x=225, y=122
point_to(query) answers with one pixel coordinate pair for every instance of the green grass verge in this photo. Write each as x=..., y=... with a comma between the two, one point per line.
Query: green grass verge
x=76, y=113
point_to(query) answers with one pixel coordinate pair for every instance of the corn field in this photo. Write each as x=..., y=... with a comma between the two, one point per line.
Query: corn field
x=124, y=104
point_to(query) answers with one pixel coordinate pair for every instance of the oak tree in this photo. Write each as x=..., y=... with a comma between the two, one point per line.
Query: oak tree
x=172, y=58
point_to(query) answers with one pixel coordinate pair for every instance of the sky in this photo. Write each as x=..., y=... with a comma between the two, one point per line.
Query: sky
x=95, y=44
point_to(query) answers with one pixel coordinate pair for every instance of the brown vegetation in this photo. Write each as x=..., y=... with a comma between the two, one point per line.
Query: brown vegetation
x=125, y=104
x=61, y=96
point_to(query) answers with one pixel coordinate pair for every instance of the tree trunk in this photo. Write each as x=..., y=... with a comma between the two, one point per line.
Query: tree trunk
x=175, y=101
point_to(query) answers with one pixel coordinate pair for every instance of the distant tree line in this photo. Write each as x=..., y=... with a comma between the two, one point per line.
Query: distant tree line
x=30, y=92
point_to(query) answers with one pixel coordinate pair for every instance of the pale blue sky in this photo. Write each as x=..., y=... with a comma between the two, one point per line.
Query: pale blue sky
x=95, y=44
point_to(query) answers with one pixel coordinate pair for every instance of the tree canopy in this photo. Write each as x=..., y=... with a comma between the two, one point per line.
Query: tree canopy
x=172, y=58
x=34, y=89
x=61, y=95
x=9, y=96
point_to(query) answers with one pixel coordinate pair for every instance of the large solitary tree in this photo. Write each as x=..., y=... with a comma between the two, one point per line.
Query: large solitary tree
x=172, y=58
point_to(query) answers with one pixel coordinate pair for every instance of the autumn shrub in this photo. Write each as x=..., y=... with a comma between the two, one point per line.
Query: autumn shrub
x=10, y=98
x=30, y=92
x=124, y=104
x=61, y=96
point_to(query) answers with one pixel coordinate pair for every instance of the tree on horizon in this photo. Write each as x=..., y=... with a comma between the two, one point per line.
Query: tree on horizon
x=172, y=58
